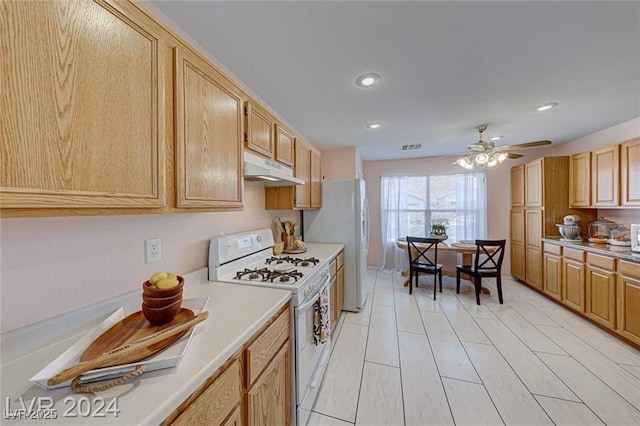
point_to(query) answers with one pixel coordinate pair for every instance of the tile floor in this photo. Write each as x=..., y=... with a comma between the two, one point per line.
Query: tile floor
x=410, y=360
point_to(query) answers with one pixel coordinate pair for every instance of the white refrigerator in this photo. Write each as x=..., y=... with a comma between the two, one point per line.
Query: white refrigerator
x=344, y=218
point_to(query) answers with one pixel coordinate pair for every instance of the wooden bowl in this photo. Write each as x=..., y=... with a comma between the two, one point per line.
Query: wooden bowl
x=162, y=315
x=159, y=302
x=153, y=291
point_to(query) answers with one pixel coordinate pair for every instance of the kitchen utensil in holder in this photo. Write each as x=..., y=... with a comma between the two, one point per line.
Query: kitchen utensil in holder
x=289, y=241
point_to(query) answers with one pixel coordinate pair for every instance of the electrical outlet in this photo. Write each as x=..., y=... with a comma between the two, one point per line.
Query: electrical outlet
x=152, y=250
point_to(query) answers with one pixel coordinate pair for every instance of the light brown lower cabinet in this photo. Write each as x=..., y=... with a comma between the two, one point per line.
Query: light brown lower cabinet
x=217, y=400
x=552, y=271
x=337, y=288
x=269, y=398
x=600, y=286
x=628, y=300
x=253, y=387
x=604, y=289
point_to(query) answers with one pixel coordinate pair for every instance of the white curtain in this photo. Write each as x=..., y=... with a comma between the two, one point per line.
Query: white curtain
x=471, y=214
x=471, y=206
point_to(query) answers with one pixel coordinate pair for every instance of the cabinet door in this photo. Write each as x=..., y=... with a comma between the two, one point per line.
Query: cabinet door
x=628, y=301
x=552, y=283
x=533, y=188
x=573, y=284
x=333, y=302
x=216, y=402
x=517, y=244
x=208, y=135
x=601, y=296
x=302, y=171
x=260, y=132
x=580, y=180
x=268, y=401
x=82, y=103
x=316, y=181
x=285, y=145
x=533, y=248
x=517, y=186
x=340, y=291
x=630, y=172
x=605, y=176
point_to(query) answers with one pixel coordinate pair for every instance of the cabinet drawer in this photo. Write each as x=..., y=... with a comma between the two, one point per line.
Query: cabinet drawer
x=340, y=259
x=552, y=249
x=574, y=254
x=262, y=350
x=216, y=402
x=333, y=267
x=629, y=269
x=603, y=262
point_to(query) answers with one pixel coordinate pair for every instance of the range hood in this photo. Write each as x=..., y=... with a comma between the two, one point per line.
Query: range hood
x=259, y=169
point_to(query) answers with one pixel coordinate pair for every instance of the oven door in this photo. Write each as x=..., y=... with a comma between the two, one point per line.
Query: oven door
x=311, y=358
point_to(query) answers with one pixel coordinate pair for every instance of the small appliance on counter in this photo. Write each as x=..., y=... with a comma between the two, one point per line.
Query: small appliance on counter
x=600, y=229
x=620, y=236
x=635, y=238
x=570, y=229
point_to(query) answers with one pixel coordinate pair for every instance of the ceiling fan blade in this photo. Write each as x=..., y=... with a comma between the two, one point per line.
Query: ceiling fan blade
x=513, y=155
x=526, y=145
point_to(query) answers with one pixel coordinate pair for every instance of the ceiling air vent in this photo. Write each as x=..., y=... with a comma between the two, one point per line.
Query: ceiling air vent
x=412, y=146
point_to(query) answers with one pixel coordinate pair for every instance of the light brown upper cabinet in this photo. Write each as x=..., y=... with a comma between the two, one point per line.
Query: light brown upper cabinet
x=605, y=176
x=316, y=180
x=83, y=117
x=299, y=197
x=517, y=186
x=208, y=135
x=302, y=171
x=533, y=185
x=630, y=172
x=260, y=129
x=284, y=145
x=580, y=180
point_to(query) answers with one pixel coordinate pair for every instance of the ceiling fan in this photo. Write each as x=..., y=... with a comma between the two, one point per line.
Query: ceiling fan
x=486, y=154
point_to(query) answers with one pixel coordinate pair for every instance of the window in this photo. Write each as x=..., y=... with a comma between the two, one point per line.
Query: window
x=410, y=205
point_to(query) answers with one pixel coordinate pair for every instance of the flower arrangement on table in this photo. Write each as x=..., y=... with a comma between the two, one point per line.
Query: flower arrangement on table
x=439, y=228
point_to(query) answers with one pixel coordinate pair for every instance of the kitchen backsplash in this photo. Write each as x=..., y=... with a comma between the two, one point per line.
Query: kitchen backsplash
x=51, y=266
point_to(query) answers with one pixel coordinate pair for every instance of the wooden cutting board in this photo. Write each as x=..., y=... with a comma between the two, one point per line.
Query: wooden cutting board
x=130, y=329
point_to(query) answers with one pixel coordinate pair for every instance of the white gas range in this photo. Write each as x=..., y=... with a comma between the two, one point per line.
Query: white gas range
x=247, y=259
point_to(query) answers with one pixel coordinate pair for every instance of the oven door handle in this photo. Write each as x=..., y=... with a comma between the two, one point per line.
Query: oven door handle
x=313, y=299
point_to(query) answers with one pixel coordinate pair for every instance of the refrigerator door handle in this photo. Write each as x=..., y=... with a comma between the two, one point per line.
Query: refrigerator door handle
x=367, y=226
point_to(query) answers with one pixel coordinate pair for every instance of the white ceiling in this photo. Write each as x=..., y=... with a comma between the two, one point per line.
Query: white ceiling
x=446, y=67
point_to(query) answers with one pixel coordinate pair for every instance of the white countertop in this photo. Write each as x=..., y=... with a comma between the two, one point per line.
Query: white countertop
x=321, y=250
x=236, y=312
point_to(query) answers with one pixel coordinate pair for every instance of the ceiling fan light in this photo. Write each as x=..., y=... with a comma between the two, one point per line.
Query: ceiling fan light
x=501, y=157
x=493, y=161
x=482, y=158
x=465, y=163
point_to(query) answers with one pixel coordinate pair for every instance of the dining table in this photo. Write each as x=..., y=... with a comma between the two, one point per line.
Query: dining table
x=466, y=249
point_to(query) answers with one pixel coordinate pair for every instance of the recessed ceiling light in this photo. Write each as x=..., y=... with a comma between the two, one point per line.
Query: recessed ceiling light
x=368, y=80
x=495, y=138
x=546, y=107
x=374, y=126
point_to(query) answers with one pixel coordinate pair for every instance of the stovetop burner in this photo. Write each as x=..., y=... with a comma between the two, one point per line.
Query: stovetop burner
x=266, y=275
x=297, y=261
x=253, y=274
x=284, y=277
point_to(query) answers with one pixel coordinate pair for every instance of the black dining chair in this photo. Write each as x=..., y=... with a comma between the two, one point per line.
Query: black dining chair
x=487, y=263
x=423, y=258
